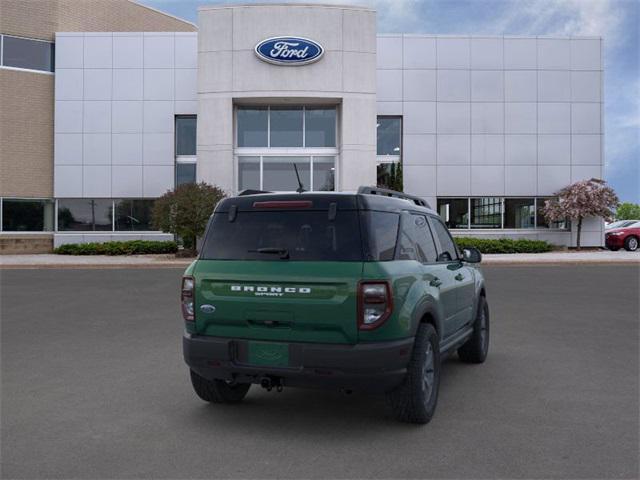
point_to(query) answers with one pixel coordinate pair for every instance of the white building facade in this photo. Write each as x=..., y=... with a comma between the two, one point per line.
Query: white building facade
x=484, y=128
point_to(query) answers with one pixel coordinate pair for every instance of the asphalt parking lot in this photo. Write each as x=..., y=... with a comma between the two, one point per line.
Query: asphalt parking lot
x=94, y=386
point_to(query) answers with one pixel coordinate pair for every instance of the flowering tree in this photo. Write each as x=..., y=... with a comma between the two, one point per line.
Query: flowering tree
x=586, y=198
x=185, y=211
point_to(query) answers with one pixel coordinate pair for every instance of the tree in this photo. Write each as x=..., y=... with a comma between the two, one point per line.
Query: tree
x=186, y=210
x=628, y=211
x=586, y=198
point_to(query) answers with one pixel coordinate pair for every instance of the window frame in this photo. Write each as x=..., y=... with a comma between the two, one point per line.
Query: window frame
x=261, y=161
x=183, y=159
x=22, y=69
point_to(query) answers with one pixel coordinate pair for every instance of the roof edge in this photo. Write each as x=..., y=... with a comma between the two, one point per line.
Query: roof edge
x=137, y=2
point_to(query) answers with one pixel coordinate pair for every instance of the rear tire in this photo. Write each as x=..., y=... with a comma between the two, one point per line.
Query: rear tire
x=218, y=391
x=476, y=348
x=415, y=400
x=631, y=243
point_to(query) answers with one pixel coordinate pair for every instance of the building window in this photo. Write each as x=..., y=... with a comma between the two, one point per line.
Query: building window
x=27, y=215
x=186, y=160
x=389, y=152
x=542, y=222
x=496, y=212
x=85, y=215
x=454, y=212
x=486, y=212
x=133, y=215
x=519, y=213
x=26, y=53
x=286, y=127
x=284, y=148
x=281, y=173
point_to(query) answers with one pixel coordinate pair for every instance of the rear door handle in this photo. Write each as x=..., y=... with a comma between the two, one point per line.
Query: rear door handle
x=459, y=277
x=435, y=282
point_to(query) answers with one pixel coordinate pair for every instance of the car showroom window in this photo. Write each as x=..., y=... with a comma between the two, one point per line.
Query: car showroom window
x=185, y=141
x=277, y=145
x=27, y=53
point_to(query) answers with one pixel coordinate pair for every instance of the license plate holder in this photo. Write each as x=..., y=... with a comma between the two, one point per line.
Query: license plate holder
x=268, y=354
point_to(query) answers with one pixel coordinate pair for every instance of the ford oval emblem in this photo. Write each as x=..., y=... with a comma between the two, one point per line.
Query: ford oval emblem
x=289, y=51
x=207, y=308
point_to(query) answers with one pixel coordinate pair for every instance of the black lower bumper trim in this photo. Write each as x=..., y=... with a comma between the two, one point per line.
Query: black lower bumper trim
x=377, y=366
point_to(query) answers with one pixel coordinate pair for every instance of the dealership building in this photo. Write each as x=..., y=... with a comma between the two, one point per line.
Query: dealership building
x=107, y=105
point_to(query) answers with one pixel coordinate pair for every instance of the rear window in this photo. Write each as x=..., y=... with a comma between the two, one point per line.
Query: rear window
x=279, y=235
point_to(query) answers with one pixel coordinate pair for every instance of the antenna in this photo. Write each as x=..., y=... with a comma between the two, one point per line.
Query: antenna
x=300, y=188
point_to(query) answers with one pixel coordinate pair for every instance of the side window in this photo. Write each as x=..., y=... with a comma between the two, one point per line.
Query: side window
x=447, y=246
x=416, y=242
x=382, y=228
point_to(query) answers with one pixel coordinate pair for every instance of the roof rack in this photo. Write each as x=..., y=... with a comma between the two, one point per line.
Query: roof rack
x=392, y=193
x=252, y=192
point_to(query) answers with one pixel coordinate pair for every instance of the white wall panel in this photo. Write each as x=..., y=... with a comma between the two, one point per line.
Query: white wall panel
x=67, y=181
x=487, y=149
x=554, y=118
x=389, y=52
x=68, y=149
x=487, y=117
x=96, y=149
x=554, y=54
x=454, y=117
x=128, y=84
x=96, y=181
x=389, y=85
x=586, y=150
x=453, y=52
x=158, y=117
x=520, y=180
x=68, y=84
x=454, y=149
x=453, y=85
x=420, y=180
x=126, y=149
x=554, y=86
x=156, y=180
x=554, y=149
x=96, y=117
x=127, y=51
x=419, y=85
x=158, y=84
x=419, y=149
x=585, y=118
x=487, y=180
x=487, y=85
x=158, y=51
x=520, y=53
x=487, y=53
x=585, y=86
x=419, y=117
x=158, y=149
x=186, y=50
x=69, y=51
x=98, y=51
x=419, y=52
x=126, y=181
x=97, y=84
x=68, y=116
x=453, y=180
x=520, y=149
x=127, y=117
x=521, y=85
x=586, y=54
x=520, y=118
x=553, y=178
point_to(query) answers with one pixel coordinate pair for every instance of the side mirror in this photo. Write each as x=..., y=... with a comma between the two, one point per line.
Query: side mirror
x=471, y=255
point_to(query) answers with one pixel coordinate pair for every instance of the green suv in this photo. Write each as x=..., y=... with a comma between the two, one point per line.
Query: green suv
x=356, y=291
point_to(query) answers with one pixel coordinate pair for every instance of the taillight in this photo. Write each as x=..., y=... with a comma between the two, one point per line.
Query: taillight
x=187, y=298
x=375, y=304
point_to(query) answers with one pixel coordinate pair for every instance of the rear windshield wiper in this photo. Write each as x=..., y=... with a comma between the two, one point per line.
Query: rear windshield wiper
x=283, y=252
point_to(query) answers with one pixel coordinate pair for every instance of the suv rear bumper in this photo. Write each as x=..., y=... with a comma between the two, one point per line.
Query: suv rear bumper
x=371, y=367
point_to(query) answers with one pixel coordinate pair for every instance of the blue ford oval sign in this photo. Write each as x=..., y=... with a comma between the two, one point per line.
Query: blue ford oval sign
x=289, y=50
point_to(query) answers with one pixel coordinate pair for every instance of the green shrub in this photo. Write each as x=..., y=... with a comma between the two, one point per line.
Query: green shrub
x=131, y=247
x=504, y=245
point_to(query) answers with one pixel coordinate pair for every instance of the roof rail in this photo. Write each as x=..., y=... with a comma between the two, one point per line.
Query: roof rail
x=392, y=193
x=252, y=192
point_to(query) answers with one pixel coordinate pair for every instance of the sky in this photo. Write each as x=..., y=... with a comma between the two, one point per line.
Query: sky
x=617, y=21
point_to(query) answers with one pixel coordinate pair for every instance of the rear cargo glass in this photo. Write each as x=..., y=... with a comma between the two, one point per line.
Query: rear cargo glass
x=303, y=235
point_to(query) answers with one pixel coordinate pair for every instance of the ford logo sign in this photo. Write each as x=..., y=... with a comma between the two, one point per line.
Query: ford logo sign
x=289, y=51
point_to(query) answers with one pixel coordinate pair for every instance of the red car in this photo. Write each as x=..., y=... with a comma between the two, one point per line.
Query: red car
x=627, y=237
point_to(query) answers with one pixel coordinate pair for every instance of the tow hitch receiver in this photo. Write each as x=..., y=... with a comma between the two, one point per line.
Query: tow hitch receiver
x=269, y=383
